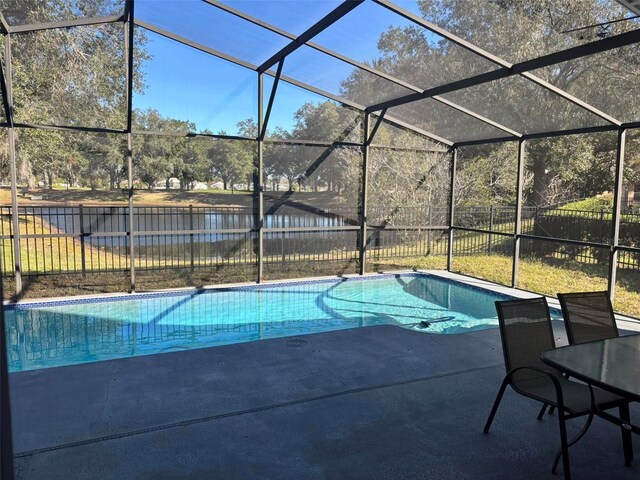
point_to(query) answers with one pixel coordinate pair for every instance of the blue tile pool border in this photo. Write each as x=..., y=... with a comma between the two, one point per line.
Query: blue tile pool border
x=26, y=305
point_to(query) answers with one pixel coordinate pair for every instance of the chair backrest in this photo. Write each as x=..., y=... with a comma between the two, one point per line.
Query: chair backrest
x=588, y=316
x=526, y=332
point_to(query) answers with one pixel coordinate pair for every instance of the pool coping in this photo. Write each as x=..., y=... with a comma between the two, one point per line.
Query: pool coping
x=624, y=322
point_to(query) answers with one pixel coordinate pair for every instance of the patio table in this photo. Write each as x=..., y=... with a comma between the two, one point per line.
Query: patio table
x=612, y=365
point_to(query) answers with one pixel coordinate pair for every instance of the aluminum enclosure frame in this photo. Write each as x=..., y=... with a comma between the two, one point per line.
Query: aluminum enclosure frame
x=506, y=69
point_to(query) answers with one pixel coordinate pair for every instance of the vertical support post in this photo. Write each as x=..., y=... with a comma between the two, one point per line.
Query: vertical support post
x=263, y=121
x=363, y=195
x=429, y=222
x=518, y=220
x=132, y=251
x=452, y=187
x=191, y=236
x=258, y=186
x=6, y=435
x=128, y=46
x=491, y=220
x=83, y=255
x=615, y=221
x=17, y=257
x=6, y=438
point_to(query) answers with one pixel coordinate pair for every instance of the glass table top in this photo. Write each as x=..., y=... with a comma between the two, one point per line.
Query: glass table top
x=613, y=364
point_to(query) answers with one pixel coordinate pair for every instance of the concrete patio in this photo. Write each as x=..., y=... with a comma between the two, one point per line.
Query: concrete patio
x=377, y=402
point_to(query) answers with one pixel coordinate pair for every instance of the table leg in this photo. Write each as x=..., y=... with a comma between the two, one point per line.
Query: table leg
x=627, y=442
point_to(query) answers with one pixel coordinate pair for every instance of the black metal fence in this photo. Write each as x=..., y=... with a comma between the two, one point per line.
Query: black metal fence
x=95, y=239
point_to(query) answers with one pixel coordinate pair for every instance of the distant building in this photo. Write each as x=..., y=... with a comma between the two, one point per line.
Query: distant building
x=630, y=196
x=174, y=184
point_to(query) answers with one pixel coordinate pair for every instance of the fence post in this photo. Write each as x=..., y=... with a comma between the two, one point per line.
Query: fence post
x=282, y=246
x=429, y=221
x=83, y=257
x=191, y=234
x=491, y=214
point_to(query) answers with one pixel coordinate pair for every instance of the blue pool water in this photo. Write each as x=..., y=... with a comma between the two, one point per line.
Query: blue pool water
x=42, y=335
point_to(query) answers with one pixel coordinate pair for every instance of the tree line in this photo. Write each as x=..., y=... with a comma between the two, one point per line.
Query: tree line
x=86, y=88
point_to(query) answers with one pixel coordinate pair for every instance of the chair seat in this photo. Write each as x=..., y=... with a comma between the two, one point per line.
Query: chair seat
x=576, y=396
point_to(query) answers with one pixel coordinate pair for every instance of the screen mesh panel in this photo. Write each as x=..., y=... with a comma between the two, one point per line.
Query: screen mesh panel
x=290, y=15
x=485, y=193
x=524, y=106
x=340, y=78
x=518, y=31
x=373, y=35
x=188, y=90
x=21, y=12
x=212, y=27
x=444, y=121
x=298, y=114
x=72, y=77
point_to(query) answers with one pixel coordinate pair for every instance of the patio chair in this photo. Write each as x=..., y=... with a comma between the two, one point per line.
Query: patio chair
x=588, y=316
x=526, y=332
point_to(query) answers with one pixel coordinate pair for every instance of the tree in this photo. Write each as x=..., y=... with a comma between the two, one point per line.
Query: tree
x=249, y=128
x=326, y=121
x=517, y=30
x=165, y=156
x=281, y=159
x=230, y=161
x=194, y=163
x=72, y=76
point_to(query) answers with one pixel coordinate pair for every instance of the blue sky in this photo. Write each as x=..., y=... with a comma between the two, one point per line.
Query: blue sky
x=187, y=84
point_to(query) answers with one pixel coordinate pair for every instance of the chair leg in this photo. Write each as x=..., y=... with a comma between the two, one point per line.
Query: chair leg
x=542, y=410
x=551, y=409
x=494, y=409
x=626, y=435
x=564, y=447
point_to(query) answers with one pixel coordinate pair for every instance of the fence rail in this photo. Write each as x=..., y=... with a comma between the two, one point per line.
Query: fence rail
x=95, y=239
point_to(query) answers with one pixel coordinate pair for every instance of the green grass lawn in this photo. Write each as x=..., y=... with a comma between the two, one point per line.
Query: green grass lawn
x=551, y=277
x=197, y=198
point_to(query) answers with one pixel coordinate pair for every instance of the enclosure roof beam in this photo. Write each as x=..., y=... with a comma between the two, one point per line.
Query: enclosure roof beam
x=357, y=106
x=558, y=133
x=76, y=22
x=4, y=25
x=160, y=133
x=401, y=123
x=68, y=128
x=363, y=66
x=333, y=16
x=632, y=5
x=311, y=143
x=507, y=69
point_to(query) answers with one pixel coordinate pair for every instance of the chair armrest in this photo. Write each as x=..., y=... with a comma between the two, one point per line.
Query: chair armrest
x=554, y=380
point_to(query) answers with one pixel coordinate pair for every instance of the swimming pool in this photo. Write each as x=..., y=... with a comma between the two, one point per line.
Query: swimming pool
x=56, y=333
